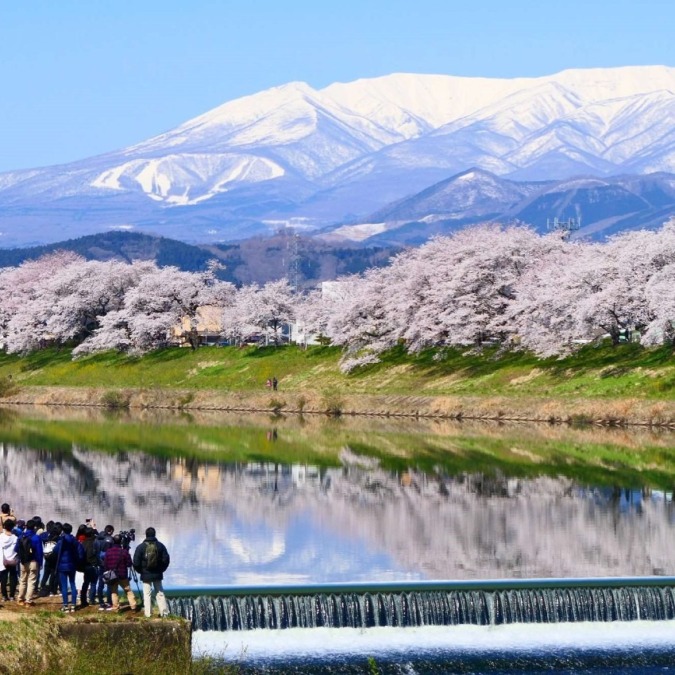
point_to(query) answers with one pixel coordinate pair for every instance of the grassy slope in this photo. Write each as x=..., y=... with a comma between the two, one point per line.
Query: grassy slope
x=605, y=372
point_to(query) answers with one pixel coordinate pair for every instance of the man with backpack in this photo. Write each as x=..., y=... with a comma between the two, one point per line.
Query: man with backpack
x=151, y=560
x=29, y=549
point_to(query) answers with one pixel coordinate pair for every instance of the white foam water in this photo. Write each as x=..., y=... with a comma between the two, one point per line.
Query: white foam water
x=336, y=643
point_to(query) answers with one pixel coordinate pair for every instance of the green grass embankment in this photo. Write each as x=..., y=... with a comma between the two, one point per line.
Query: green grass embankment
x=41, y=641
x=598, y=381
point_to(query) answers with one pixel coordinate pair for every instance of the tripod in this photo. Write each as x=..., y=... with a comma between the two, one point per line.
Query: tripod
x=134, y=576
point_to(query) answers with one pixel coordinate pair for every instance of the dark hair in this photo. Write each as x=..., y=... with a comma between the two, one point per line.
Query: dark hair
x=5, y=508
x=56, y=530
x=30, y=525
x=82, y=529
x=50, y=524
x=67, y=528
x=109, y=529
x=117, y=540
x=89, y=532
x=150, y=532
x=9, y=524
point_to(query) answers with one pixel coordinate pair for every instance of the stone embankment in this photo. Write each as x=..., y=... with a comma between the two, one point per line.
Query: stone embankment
x=612, y=412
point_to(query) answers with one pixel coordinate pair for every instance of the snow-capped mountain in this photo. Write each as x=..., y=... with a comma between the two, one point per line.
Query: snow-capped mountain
x=293, y=154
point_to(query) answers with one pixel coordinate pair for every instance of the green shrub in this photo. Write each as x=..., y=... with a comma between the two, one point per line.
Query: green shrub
x=333, y=404
x=276, y=404
x=580, y=420
x=115, y=400
x=7, y=387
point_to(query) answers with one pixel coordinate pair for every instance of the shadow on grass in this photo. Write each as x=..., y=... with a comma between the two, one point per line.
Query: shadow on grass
x=264, y=351
x=470, y=363
x=168, y=354
x=605, y=354
x=45, y=358
x=440, y=362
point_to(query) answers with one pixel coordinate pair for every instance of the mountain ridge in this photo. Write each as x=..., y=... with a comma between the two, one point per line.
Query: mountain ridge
x=601, y=205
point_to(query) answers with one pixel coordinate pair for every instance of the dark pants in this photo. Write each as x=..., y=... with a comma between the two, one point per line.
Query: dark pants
x=50, y=579
x=10, y=575
x=89, y=584
x=101, y=584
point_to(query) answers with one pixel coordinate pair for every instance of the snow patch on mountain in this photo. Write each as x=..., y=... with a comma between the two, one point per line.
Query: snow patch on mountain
x=188, y=179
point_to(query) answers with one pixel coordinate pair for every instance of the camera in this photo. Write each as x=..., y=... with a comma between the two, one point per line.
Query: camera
x=127, y=536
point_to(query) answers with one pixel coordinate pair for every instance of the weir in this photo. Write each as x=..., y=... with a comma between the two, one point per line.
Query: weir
x=442, y=603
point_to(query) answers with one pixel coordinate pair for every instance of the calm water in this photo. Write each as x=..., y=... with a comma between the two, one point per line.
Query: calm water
x=274, y=501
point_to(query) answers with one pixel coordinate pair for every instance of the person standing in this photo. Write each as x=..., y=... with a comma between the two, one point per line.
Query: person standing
x=116, y=564
x=9, y=573
x=102, y=543
x=50, y=577
x=6, y=513
x=151, y=560
x=91, y=565
x=69, y=554
x=29, y=549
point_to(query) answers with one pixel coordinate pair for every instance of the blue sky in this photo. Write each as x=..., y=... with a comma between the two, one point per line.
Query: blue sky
x=81, y=78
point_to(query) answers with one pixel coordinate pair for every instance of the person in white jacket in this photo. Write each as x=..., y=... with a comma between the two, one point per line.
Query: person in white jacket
x=9, y=561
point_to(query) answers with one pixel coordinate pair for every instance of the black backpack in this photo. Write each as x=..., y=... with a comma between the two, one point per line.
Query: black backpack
x=26, y=551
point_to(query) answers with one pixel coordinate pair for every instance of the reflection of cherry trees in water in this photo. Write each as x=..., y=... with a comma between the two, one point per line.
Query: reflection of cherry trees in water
x=271, y=519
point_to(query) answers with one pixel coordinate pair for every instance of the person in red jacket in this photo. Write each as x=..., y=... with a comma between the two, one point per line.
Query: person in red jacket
x=116, y=564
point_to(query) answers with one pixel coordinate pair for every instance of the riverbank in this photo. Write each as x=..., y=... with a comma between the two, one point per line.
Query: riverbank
x=86, y=642
x=623, y=385
x=575, y=411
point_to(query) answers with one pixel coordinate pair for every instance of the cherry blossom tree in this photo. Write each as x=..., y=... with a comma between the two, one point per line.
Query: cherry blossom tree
x=163, y=299
x=260, y=310
x=660, y=296
x=22, y=286
x=68, y=306
x=543, y=315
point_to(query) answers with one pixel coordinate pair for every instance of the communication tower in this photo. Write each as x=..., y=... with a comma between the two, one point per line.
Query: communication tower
x=565, y=227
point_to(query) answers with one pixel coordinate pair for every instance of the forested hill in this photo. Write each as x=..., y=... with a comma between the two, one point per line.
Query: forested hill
x=255, y=260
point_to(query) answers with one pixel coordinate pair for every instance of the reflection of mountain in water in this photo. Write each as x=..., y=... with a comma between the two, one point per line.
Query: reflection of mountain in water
x=268, y=523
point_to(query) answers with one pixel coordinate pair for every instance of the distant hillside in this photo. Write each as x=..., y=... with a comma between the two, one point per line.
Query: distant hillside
x=126, y=246
x=255, y=260
x=603, y=206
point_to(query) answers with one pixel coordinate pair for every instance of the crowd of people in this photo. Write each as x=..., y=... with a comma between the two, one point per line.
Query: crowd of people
x=42, y=560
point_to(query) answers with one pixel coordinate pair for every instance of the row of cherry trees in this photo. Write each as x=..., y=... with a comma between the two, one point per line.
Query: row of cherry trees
x=484, y=284
x=489, y=284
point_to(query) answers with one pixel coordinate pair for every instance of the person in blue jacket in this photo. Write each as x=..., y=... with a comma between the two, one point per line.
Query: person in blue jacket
x=69, y=555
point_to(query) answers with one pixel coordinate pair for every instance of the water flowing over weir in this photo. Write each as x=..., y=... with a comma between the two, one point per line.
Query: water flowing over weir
x=427, y=604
